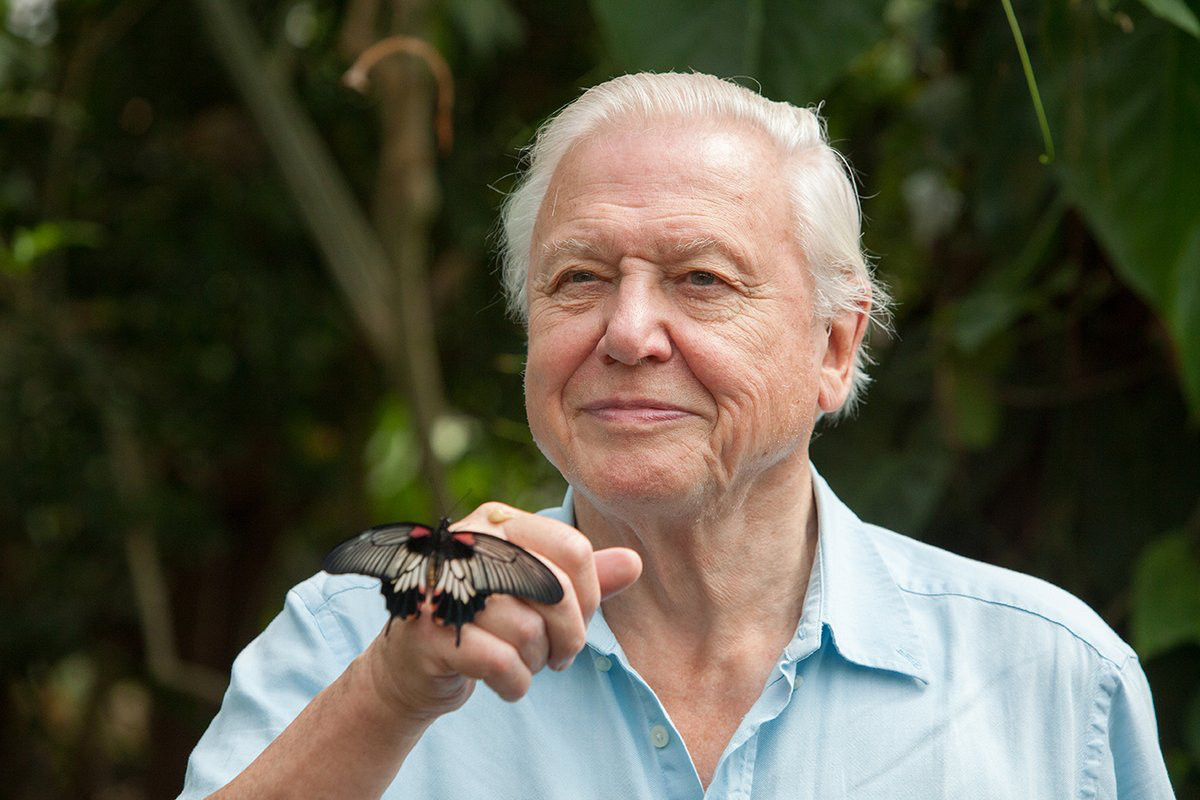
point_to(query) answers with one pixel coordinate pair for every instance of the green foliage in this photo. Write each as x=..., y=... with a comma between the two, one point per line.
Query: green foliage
x=794, y=51
x=174, y=353
x=1166, y=597
x=1175, y=12
x=31, y=245
x=1128, y=109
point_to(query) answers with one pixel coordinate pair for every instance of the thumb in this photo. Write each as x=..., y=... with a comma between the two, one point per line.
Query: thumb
x=616, y=568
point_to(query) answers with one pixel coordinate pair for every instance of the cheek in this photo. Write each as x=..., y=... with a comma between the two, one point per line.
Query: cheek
x=763, y=377
x=555, y=355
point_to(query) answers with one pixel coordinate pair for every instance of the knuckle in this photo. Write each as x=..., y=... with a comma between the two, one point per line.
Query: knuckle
x=515, y=689
x=574, y=640
x=498, y=662
x=577, y=550
x=529, y=630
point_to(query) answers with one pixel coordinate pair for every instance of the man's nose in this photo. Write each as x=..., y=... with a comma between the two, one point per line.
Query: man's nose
x=636, y=324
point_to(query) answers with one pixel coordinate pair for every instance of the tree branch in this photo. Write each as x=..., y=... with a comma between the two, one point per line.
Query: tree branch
x=378, y=296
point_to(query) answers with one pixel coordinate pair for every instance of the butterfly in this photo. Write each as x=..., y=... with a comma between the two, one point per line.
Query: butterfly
x=456, y=569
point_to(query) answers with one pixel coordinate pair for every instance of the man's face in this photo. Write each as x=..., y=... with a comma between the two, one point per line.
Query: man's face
x=673, y=349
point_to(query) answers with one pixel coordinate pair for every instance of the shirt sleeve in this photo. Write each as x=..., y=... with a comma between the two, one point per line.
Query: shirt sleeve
x=272, y=680
x=1133, y=767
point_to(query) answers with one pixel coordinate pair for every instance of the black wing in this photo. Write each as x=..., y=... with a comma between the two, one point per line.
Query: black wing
x=397, y=554
x=501, y=567
x=490, y=565
x=384, y=552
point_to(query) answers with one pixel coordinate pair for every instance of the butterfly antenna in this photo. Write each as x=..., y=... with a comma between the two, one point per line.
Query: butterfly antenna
x=458, y=504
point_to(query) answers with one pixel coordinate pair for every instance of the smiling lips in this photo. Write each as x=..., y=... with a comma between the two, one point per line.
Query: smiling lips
x=634, y=410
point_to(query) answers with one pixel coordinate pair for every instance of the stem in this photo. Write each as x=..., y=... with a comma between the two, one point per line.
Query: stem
x=1047, y=139
x=357, y=77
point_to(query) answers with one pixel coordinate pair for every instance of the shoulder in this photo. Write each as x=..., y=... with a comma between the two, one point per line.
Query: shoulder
x=323, y=592
x=1019, y=604
x=346, y=610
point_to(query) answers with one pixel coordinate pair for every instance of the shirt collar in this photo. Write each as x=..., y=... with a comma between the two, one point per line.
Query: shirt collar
x=851, y=592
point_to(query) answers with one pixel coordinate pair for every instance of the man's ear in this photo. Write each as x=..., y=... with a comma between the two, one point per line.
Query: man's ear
x=844, y=336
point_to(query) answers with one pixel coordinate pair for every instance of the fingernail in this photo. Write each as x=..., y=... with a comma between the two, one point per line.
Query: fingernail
x=498, y=515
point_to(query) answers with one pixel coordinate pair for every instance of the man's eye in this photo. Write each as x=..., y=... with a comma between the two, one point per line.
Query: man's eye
x=581, y=276
x=701, y=278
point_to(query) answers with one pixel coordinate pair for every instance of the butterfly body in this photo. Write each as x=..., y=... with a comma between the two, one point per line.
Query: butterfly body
x=455, y=571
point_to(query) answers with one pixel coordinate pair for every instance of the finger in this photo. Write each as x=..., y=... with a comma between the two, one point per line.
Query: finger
x=409, y=672
x=564, y=623
x=554, y=541
x=482, y=655
x=568, y=554
x=616, y=569
x=515, y=622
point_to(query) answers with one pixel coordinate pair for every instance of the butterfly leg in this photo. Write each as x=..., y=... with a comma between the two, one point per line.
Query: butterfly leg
x=457, y=613
x=400, y=604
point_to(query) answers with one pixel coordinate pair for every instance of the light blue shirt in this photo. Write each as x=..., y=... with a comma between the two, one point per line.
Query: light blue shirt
x=914, y=673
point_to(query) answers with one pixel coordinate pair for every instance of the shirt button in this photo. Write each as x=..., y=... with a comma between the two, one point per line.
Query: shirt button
x=659, y=736
x=603, y=663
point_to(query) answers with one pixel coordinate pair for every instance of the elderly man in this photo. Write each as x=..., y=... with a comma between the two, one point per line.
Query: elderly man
x=686, y=255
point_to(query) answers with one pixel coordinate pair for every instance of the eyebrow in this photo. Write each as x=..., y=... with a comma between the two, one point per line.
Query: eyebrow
x=671, y=252
x=565, y=248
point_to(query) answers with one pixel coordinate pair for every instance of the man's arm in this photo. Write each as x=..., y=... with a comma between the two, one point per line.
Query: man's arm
x=351, y=740
x=346, y=743
x=1136, y=762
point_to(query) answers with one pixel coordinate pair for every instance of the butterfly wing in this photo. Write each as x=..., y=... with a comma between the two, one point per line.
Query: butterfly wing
x=501, y=567
x=466, y=568
x=397, y=554
x=478, y=565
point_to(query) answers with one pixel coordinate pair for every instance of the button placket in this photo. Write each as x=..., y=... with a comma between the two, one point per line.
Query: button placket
x=660, y=737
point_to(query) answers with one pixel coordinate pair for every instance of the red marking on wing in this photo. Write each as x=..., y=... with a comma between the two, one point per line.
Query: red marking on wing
x=419, y=530
x=466, y=537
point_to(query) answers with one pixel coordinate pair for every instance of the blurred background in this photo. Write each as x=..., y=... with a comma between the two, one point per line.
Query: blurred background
x=247, y=311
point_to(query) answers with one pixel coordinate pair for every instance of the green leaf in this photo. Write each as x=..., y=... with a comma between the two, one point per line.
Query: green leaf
x=488, y=26
x=1166, y=595
x=1128, y=116
x=31, y=244
x=891, y=473
x=1001, y=298
x=1175, y=12
x=392, y=460
x=976, y=408
x=983, y=314
x=795, y=50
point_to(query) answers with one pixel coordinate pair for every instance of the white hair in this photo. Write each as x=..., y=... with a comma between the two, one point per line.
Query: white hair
x=826, y=209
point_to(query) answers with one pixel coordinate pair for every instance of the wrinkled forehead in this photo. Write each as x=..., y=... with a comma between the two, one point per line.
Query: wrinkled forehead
x=645, y=161
x=718, y=138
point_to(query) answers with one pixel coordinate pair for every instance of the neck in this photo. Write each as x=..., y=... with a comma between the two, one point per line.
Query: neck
x=717, y=579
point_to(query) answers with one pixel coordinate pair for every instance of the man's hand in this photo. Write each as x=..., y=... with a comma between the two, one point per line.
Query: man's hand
x=369, y=719
x=417, y=670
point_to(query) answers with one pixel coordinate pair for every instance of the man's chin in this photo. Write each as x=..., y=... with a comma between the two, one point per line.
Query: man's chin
x=639, y=486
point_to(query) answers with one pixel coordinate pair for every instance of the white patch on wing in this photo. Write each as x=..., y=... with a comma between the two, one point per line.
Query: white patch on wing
x=411, y=572
x=456, y=580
